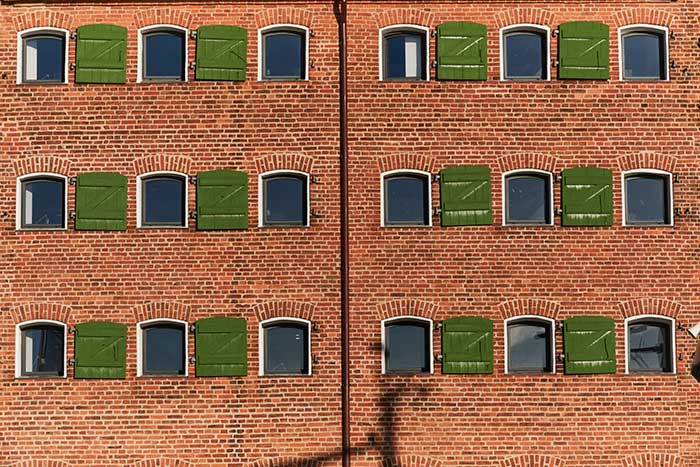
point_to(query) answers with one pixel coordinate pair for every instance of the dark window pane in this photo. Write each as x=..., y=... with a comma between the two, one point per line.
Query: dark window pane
x=164, y=53
x=403, y=56
x=44, y=58
x=285, y=200
x=406, y=200
x=43, y=203
x=649, y=347
x=647, y=200
x=164, y=349
x=407, y=347
x=527, y=199
x=644, y=56
x=286, y=348
x=525, y=55
x=529, y=347
x=284, y=55
x=164, y=201
x=42, y=351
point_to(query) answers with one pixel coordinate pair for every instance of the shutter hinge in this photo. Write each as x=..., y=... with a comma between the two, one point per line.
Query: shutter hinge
x=676, y=178
x=555, y=33
x=673, y=35
x=314, y=326
x=438, y=357
x=193, y=65
x=193, y=214
x=193, y=34
x=193, y=179
x=193, y=328
x=673, y=64
x=436, y=178
x=555, y=63
x=315, y=179
x=312, y=63
x=74, y=35
x=559, y=325
x=561, y=357
x=437, y=211
x=73, y=180
x=434, y=63
x=312, y=33
x=558, y=177
x=72, y=215
x=437, y=325
x=72, y=66
x=192, y=360
x=558, y=212
x=71, y=362
x=71, y=329
x=434, y=33
x=315, y=359
x=315, y=214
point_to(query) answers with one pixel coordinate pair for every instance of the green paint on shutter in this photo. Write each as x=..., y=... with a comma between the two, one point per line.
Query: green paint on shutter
x=461, y=51
x=100, y=350
x=589, y=345
x=467, y=345
x=221, y=347
x=100, y=55
x=465, y=195
x=100, y=201
x=222, y=200
x=221, y=53
x=584, y=49
x=587, y=197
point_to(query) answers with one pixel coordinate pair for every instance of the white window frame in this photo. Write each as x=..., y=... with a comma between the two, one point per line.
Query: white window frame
x=422, y=173
x=657, y=172
x=139, y=346
x=18, y=347
x=20, y=52
x=19, y=195
x=283, y=27
x=409, y=28
x=430, y=341
x=139, y=195
x=261, y=345
x=651, y=317
x=642, y=27
x=163, y=27
x=542, y=319
x=271, y=173
x=527, y=27
x=504, y=205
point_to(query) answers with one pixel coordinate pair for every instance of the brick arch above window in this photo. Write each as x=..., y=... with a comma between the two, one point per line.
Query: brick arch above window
x=650, y=306
x=529, y=306
x=532, y=460
x=160, y=462
x=407, y=307
x=41, y=311
x=41, y=164
x=404, y=16
x=410, y=461
x=296, y=162
x=174, y=16
x=40, y=463
x=285, y=461
x=638, y=15
x=653, y=460
x=44, y=19
x=284, y=309
x=513, y=16
x=284, y=15
x=529, y=160
x=166, y=310
x=406, y=161
x=647, y=160
x=161, y=163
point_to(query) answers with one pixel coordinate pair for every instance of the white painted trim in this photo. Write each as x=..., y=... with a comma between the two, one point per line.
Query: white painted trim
x=641, y=27
x=507, y=174
x=408, y=318
x=651, y=317
x=261, y=343
x=30, y=31
x=18, y=346
x=525, y=27
x=542, y=319
x=662, y=173
x=261, y=176
x=139, y=180
x=430, y=196
x=19, y=194
x=405, y=27
x=139, y=344
x=163, y=27
x=283, y=27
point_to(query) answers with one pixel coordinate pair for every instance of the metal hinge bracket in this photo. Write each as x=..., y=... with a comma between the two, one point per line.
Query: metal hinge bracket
x=558, y=212
x=73, y=180
x=315, y=214
x=315, y=179
x=437, y=211
x=193, y=179
x=193, y=34
x=436, y=178
x=193, y=214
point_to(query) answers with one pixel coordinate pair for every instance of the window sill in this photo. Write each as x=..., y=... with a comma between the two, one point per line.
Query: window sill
x=648, y=225
x=40, y=378
x=284, y=226
x=168, y=227
x=40, y=229
x=40, y=83
x=161, y=376
x=528, y=225
x=405, y=226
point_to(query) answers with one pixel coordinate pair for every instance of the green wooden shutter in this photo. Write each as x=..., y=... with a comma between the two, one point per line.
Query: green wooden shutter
x=587, y=197
x=100, y=201
x=589, y=345
x=465, y=195
x=221, y=53
x=100, y=54
x=221, y=347
x=100, y=350
x=584, y=49
x=222, y=200
x=467, y=345
x=461, y=51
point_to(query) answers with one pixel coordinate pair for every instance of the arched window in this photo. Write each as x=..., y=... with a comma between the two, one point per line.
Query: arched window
x=407, y=344
x=285, y=346
x=404, y=53
x=162, y=199
x=283, y=52
x=163, y=53
x=43, y=56
x=285, y=199
x=406, y=198
x=41, y=349
x=650, y=343
x=527, y=198
x=162, y=347
x=647, y=197
x=529, y=345
x=525, y=52
x=643, y=52
x=42, y=201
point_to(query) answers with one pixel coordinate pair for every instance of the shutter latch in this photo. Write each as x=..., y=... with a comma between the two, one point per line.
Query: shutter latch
x=555, y=63
x=71, y=362
x=557, y=177
x=73, y=180
x=555, y=33
x=193, y=179
x=437, y=325
x=193, y=65
x=193, y=328
x=436, y=178
x=72, y=215
x=192, y=360
x=561, y=357
x=434, y=33
x=72, y=66
x=193, y=34
x=436, y=211
x=74, y=35
x=193, y=214
x=438, y=357
x=434, y=63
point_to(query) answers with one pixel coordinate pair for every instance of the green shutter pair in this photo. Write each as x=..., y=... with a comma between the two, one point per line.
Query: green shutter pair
x=220, y=349
x=101, y=53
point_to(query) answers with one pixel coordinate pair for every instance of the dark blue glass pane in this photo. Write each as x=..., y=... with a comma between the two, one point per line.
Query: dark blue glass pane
x=529, y=347
x=285, y=200
x=43, y=203
x=525, y=52
x=164, y=201
x=403, y=56
x=527, y=200
x=649, y=347
x=396, y=57
x=284, y=55
x=643, y=56
x=164, y=55
x=647, y=200
x=43, y=350
x=164, y=349
x=406, y=200
x=286, y=348
x=44, y=59
x=407, y=347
